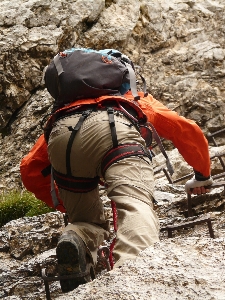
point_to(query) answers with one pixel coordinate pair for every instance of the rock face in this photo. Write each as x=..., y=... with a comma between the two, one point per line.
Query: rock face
x=190, y=265
x=26, y=246
x=158, y=274
x=180, y=47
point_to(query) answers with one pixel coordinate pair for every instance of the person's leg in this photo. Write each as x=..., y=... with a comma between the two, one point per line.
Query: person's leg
x=77, y=247
x=85, y=210
x=131, y=186
x=87, y=219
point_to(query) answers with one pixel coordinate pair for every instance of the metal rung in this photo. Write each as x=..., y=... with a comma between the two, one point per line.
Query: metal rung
x=217, y=155
x=57, y=278
x=171, y=228
x=215, y=133
x=220, y=175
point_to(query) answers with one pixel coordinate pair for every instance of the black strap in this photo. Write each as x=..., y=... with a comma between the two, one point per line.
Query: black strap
x=121, y=152
x=46, y=171
x=110, y=111
x=158, y=141
x=75, y=184
x=74, y=130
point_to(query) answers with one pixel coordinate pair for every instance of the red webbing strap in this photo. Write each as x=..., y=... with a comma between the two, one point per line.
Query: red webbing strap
x=121, y=152
x=113, y=204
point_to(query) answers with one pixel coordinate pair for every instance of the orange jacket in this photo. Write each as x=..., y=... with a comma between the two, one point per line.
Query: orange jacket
x=185, y=134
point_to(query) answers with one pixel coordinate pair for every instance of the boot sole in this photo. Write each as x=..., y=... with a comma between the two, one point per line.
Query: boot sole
x=71, y=262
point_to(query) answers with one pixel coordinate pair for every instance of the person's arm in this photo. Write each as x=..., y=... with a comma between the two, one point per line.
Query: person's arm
x=186, y=136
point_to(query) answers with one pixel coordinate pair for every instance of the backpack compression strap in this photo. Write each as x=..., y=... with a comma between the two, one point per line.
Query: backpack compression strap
x=133, y=85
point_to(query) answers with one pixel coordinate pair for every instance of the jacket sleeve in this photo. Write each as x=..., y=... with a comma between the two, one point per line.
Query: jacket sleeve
x=185, y=134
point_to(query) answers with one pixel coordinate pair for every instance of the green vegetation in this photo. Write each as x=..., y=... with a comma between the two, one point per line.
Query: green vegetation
x=14, y=205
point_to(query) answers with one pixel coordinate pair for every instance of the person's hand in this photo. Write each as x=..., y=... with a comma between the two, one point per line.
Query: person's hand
x=197, y=187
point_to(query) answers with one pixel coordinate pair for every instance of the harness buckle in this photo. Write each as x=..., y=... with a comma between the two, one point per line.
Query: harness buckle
x=110, y=111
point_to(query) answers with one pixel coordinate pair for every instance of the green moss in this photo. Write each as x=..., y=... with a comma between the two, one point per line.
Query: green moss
x=14, y=205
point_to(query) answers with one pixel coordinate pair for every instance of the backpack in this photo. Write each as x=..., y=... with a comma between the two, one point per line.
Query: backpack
x=80, y=73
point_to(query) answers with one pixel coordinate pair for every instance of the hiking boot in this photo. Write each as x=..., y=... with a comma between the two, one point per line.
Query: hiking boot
x=73, y=260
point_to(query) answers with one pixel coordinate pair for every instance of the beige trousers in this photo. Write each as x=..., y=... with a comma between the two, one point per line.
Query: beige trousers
x=130, y=184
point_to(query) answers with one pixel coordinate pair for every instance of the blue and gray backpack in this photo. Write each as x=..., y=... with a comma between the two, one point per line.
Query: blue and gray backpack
x=80, y=73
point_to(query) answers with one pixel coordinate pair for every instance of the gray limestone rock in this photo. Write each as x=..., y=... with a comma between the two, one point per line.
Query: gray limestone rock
x=180, y=48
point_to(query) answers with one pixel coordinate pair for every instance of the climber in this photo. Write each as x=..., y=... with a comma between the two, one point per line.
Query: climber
x=86, y=143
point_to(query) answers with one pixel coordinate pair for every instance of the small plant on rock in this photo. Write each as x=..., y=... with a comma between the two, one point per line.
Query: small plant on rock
x=14, y=205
